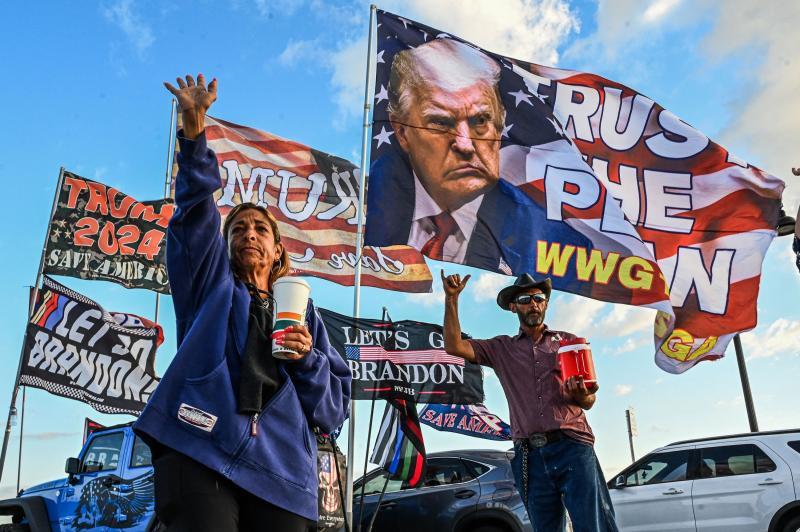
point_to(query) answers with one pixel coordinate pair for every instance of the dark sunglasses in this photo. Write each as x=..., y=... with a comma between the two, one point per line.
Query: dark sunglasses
x=527, y=298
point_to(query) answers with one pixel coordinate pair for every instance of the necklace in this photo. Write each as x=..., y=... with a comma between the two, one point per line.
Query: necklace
x=266, y=301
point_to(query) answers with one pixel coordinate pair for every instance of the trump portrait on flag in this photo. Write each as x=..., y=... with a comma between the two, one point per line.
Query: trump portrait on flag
x=442, y=192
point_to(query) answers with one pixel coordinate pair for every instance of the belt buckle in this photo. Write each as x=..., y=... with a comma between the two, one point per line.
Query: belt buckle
x=538, y=440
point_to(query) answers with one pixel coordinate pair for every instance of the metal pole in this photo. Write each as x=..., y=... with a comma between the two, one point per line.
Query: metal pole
x=369, y=439
x=748, y=395
x=21, y=434
x=168, y=178
x=15, y=389
x=366, y=462
x=628, y=416
x=378, y=506
x=351, y=432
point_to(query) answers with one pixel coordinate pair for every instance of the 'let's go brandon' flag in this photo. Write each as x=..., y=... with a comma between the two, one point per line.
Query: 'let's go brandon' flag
x=402, y=359
x=75, y=349
x=97, y=232
x=313, y=195
x=485, y=160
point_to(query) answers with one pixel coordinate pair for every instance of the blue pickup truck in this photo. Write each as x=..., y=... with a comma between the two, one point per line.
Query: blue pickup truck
x=109, y=487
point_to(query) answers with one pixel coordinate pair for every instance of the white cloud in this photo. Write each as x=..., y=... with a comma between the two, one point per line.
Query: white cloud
x=766, y=114
x=430, y=299
x=620, y=23
x=349, y=66
x=629, y=345
x=531, y=30
x=780, y=337
x=621, y=390
x=297, y=51
x=624, y=320
x=524, y=29
x=576, y=314
x=138, y=32
x=658, y=10
x=487, y=285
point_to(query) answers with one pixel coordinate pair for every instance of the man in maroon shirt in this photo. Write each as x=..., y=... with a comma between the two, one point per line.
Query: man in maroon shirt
x=554, y=462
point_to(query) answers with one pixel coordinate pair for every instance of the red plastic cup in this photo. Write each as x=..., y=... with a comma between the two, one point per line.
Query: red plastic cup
x=575, y=360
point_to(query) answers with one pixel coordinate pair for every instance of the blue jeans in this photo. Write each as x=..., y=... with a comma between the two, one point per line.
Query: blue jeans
x=563, y=474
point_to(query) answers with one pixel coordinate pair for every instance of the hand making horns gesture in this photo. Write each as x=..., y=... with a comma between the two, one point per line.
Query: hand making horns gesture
x=194, y=99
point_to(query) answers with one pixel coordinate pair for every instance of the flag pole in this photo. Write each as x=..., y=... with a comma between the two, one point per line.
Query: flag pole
x=21, y=432
x=748, y=395
x=378, y=506
x=31, y=303
x=168, y=178
x=384, y=315
x=351, y=432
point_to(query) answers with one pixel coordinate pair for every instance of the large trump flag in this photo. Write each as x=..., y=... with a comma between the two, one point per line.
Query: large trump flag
x=485, y=160
x=314, y=197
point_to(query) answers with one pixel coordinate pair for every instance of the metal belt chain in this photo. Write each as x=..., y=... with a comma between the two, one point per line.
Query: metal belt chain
x=525, y=473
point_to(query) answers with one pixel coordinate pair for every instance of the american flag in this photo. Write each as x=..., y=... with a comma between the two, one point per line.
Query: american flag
x=314, y=196
x=423, y=356
x=325, y=463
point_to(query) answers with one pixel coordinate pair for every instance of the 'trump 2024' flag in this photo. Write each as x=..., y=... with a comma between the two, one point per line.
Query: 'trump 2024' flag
x=314, y=196
x=75, y=349
x=485, y=160
x=403, y=359
x=97, y=232
x=399, y=447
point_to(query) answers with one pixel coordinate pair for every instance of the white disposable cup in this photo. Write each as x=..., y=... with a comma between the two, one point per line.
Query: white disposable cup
x=291, y=301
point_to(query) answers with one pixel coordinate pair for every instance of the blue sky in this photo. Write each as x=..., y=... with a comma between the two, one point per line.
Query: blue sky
x=82, y=88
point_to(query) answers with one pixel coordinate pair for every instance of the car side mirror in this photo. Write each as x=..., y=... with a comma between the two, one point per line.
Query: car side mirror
x=619, y=482
x=72, y=468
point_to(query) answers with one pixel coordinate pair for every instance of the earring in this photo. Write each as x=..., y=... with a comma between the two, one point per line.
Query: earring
x=277, y=265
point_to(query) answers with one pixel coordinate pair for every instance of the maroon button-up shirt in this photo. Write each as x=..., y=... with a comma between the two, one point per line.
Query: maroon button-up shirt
x=532, y=383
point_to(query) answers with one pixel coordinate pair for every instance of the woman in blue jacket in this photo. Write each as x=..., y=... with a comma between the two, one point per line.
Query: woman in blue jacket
x=231, y=427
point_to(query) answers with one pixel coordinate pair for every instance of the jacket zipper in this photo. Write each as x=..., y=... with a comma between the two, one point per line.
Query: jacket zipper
x=254, y=425
x=253, y=428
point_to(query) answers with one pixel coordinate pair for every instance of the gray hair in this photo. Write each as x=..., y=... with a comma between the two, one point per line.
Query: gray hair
x=449, y=64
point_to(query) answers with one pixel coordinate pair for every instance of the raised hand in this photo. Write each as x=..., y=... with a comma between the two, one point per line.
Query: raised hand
x=453, y=284
x=194, y=99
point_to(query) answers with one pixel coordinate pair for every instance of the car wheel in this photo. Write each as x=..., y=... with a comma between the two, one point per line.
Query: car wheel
x=15, y=527
x=793, y=525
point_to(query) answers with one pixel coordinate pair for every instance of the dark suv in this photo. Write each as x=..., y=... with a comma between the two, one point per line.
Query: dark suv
x=463, y=491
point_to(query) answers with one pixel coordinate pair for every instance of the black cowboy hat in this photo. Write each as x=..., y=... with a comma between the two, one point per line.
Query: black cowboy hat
x=523, y=282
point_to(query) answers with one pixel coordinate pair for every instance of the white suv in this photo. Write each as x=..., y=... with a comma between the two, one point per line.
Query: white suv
x=740, y=483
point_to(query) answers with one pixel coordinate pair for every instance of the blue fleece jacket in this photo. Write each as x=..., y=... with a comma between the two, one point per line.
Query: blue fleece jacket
x=193, y=410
